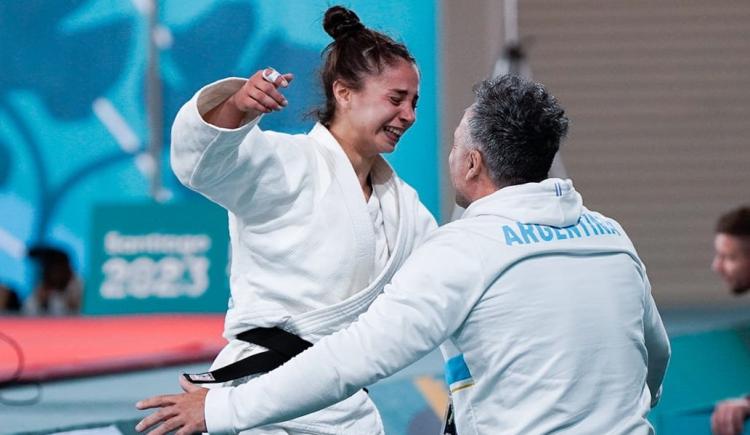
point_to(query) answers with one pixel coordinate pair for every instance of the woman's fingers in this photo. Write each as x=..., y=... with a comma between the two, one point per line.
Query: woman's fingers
x=253, y=100
x=270, y=95
x=288, y=77
x=261, y=95
x=274, y=77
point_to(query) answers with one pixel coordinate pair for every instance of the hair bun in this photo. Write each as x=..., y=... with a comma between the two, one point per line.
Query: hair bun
x=340, y=22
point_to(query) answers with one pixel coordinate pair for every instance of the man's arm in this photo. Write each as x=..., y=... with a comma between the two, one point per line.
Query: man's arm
x=657, y=346
x=428, y=299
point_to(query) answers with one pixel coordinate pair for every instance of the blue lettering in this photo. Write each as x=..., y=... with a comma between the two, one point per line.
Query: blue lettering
x=583, y=226
x=559, y=234
x=601, y=227
x=510, y=236
x=545, y=232
x=612, y=227
x=573, y=231
x=593, y=227
x=527, y=232
x=588, y=225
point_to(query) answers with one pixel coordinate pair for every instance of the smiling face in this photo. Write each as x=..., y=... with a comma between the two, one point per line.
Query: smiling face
x=732, y=261
x=373, y=119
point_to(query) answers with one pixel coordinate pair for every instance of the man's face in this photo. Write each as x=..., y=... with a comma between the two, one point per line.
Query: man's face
x=458, y=161
x=732, y=261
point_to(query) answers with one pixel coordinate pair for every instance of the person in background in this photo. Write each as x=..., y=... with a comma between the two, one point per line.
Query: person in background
x=58, y=291
x=732, y=250
x=732, y=264
x=10, y=303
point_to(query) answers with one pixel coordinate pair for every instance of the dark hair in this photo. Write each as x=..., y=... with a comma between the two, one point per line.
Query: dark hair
x=355, y=52
x=518, y=127
x=55, y=268
x=12, y=303
x=735, y=222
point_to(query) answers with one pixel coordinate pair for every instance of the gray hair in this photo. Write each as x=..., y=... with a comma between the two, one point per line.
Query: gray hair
x=518, y=127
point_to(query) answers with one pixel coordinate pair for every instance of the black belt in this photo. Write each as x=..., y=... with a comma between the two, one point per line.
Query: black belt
x=449, y=423
x=282, y=346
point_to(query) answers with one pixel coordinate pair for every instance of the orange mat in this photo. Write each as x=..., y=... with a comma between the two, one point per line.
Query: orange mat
x=60, y=348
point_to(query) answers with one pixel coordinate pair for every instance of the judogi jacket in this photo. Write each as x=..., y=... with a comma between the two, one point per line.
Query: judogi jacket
x=302, y=239
x=548, y=314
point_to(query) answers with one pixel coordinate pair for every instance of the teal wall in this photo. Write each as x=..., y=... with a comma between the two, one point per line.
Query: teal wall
x=705, y=368
x=67, y=66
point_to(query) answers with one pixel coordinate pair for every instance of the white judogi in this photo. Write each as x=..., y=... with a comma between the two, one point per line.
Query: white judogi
x=304, y=252
x=546, y=307
x=382, y=252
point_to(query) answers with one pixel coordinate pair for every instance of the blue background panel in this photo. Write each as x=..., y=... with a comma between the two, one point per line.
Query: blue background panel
x=73, y=118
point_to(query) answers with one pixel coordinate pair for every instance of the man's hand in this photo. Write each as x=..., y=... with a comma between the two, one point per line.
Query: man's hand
x=729, y=416
x=180, y=412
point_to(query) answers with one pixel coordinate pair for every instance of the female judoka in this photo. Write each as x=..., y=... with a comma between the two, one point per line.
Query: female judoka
x=318, y=222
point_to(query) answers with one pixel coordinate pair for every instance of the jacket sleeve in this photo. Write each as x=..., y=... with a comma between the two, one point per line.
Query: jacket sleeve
x=426, y=302
x=657, y=346
x=425, y=223
x=240, y=168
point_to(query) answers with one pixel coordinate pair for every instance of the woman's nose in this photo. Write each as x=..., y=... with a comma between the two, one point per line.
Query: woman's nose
x=408, y=114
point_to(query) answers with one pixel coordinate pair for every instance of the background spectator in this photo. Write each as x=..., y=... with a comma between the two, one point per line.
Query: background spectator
x=732, y=264
x=58, y=290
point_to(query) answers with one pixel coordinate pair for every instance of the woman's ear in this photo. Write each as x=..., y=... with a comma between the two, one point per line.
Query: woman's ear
x=342, y=93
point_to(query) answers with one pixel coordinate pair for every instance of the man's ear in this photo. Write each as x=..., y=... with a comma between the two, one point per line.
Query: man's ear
x=475, y=162
x=342, y=93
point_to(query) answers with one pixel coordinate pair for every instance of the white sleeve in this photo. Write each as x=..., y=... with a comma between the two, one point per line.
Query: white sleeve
x=425, y=224
x=427, y=301
x=657, y=346
x=237, y=168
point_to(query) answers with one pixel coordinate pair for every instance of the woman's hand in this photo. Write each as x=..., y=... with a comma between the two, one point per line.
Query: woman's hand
x=260, y=94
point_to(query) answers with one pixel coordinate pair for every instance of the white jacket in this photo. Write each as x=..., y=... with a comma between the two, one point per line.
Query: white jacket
x=302, y=239
x=547, y=307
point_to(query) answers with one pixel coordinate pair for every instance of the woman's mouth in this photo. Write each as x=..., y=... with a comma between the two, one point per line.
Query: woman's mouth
x=394, y=133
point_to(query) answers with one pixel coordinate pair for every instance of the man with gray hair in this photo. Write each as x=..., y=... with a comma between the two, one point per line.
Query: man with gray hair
x=543, y=307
